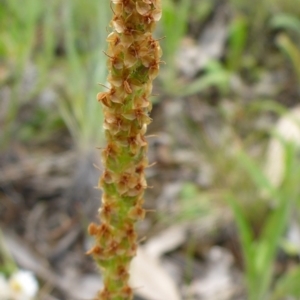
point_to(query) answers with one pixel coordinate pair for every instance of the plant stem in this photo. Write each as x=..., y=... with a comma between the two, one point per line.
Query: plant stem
x=133, y=63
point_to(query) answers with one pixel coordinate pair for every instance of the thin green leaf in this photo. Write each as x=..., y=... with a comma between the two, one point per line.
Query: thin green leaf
x=292, y=51
x=237, y=41
x=288, y=285
x=246, y=239
x=219, y=79
x=285, y=21
x=256, y=173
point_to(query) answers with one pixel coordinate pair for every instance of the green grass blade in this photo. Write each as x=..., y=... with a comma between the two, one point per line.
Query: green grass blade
x=287, y=285
x=247, y=241
x=286, y=22
x=256, y=173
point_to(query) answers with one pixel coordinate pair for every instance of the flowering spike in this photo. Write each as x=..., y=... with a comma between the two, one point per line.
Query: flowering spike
x=133, y=60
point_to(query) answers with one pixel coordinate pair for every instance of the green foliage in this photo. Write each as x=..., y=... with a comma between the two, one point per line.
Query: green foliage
x=260, y=252
x=288, y=285
x=17, y=42
x=16, y=45
x=59, y=39
x=286, y=22
x=215, y=76
x=174, y=26
x=248, y=39
x=192, y=204
x=7, y=264
x=291, y=50
x=202, y=10
x=288, y=41
x=175, y=21
x=237, y=38
x=79, y=107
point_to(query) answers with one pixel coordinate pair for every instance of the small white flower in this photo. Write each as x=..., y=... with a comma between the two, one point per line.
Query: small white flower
x=23, y=285
x=4, y=288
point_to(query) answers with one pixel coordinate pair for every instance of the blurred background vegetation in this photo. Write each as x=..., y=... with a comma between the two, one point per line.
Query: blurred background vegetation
x=232, y=71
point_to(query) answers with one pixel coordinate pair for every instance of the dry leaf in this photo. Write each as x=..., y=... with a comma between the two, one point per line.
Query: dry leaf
x=166, y=241
x=288, y=129
x=150, y=279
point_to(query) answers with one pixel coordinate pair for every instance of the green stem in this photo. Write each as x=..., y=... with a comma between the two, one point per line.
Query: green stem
x=133, y=63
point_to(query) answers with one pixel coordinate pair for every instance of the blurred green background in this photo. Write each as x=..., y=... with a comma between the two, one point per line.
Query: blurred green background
x=232, y=71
